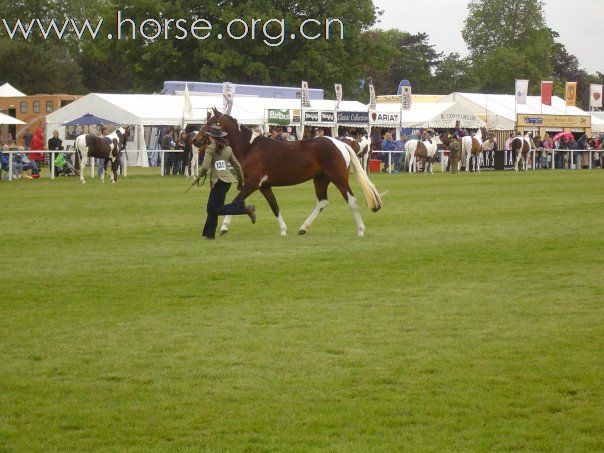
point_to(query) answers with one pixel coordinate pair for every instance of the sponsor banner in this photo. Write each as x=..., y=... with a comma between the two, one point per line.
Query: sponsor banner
x=388, y=118
x=458, y=116
x=353, y=117
x=228, y=95
x=547, y=90
x=279, y=117
x=305, y=96
x=571, y=94
x=314, y=116
x=521, y=91
x=328, y=117
x=559, y=121
x=595, y=96
x=372, y=98
x=338, y=95
x=404, y=90
x=296, y=116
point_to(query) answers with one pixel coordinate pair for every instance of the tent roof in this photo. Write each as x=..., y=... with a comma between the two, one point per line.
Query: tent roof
x=5, y=119
x=500, y=109
x=435, y=115
x=8, y=91
x=597, y=122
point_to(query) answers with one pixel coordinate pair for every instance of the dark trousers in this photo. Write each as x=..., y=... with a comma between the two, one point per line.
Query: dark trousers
x=217, y=207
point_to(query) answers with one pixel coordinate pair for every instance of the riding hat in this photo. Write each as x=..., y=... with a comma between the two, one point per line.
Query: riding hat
x=216, y=131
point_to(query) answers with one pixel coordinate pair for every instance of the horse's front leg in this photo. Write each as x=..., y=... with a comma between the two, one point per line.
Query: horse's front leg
x=272, y=202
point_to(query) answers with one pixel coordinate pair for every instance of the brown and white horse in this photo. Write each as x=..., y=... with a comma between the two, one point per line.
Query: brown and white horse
x=425, y=150
x=522, y=146
x=268, y=163
x=106, y=147
x=472, y=147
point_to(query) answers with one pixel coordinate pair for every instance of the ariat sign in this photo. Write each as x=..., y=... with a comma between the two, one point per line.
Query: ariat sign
x=280, y=117
x=385, y=118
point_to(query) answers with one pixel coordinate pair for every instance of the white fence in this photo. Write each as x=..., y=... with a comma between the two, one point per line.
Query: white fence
x=91, y=161
x=552, y=152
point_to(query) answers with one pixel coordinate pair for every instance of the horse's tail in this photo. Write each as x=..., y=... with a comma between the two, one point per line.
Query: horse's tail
x=372, y=196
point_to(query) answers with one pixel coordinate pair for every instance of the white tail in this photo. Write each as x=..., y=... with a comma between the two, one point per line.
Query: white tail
x=372, y=196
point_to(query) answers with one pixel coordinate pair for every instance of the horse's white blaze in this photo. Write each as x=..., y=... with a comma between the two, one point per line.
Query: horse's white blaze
x=263, y=180
x=343, y=148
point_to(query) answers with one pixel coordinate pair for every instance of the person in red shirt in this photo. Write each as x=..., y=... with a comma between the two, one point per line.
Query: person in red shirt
x=37, y=144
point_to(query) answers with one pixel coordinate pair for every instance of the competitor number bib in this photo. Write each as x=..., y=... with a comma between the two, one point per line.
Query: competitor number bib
x=220, y=165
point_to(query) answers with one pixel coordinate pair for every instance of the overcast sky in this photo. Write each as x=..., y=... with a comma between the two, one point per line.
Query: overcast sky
x=580, y=24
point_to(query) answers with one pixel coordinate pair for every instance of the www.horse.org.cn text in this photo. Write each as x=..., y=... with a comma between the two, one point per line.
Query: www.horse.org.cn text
x=272, y=32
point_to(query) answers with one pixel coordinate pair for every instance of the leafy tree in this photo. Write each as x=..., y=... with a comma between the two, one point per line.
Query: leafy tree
x=402, y=56
x=454, y=74
x=508, y=39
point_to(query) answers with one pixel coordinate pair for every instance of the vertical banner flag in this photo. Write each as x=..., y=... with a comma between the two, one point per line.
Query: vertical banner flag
x=338, y=95
x=571, y=94
x=228, y=95
x=187, y=108
x=404, y=90
x=521, y=91
x=305, y=97
x=547, y=90
x=372, y=98
x=595, y=96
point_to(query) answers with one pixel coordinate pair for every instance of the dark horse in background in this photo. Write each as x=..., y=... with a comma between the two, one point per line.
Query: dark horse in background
x=269, y=163
x=105, y=147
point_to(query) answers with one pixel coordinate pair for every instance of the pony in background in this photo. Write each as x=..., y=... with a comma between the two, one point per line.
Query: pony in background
x=424, y=149
x=522, y=146
x=471, y=147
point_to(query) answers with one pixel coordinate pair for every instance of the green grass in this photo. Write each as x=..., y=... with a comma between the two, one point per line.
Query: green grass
x=470, y=318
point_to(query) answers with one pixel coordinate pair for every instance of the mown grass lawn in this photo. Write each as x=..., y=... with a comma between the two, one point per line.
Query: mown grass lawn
x=469, y=318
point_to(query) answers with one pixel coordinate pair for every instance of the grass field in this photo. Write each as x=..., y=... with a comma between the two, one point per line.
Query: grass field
x=471, y=317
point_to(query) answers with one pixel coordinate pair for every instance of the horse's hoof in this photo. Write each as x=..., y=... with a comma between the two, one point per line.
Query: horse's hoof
x=223, y=232
x=301, y=232
x=284, y=233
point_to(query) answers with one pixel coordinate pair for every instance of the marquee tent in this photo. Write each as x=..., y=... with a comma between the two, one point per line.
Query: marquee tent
x=597, y=122
x=5, y=119
x=499, y=110
x=8, y=91
x=426, y=115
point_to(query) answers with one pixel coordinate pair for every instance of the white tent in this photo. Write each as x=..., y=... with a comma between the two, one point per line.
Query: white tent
x=499, y=110
x=427, y=115
x=5, y=119
x=597, y=122
x=8, y=91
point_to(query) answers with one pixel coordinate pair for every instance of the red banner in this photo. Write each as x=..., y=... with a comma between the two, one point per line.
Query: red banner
x=547, y=90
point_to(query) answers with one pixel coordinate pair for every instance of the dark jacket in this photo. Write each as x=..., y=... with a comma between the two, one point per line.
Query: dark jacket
x=55, y=144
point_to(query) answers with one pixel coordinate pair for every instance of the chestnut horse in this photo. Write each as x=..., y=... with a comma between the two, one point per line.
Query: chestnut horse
x=522, y=146
x=268, y=163
x=472, y=147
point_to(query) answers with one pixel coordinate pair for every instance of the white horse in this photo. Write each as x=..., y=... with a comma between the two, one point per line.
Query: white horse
x=472, y=146
x=424, y=149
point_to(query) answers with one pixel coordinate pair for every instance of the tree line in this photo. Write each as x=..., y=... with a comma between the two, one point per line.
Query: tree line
x=506, y=39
